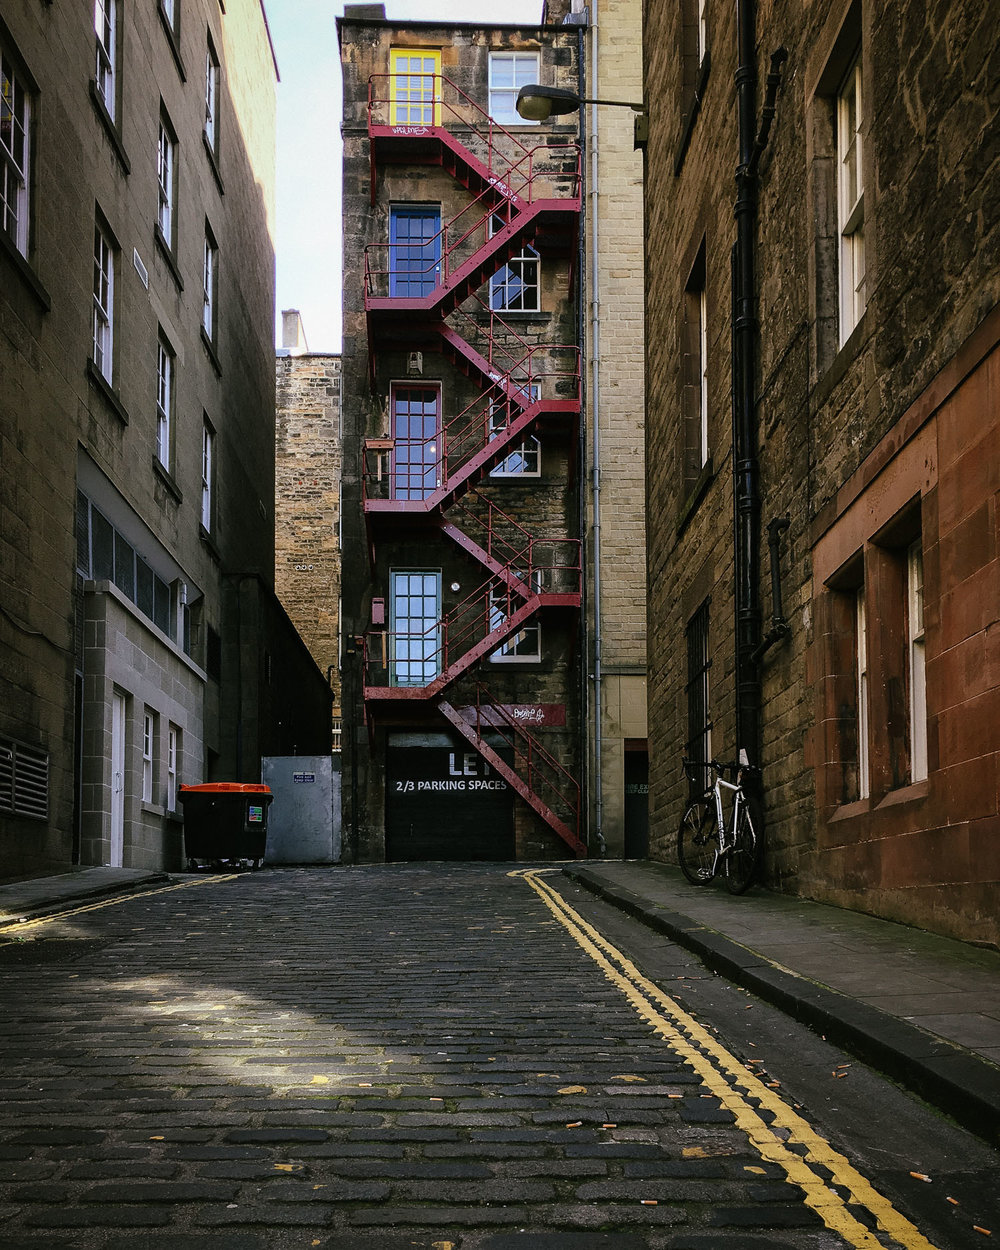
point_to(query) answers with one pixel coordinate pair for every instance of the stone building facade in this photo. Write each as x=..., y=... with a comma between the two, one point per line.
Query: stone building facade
x=463, y=688
x=307, y=496
x=614, y=489
x=142, y=645
x=822, y=317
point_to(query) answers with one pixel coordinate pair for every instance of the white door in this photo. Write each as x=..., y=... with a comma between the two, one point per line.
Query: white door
x=117, y=779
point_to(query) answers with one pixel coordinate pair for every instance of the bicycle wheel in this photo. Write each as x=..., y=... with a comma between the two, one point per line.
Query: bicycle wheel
x=748, y=849
x=697, y=842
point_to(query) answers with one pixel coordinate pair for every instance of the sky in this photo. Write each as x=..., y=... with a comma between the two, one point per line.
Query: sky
x=309, y=153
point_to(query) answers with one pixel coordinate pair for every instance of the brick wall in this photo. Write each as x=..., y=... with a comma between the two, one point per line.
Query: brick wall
x=307, y=502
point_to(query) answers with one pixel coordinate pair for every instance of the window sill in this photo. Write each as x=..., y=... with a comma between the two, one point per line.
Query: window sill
x=153, y=809
x=172, y=39
x=167, y=478
x=163, y=247
x=213, y=355
x=25, y=273
x=533, y=316
x=111, y=397
x=840, y=364
x=691, y=115
x=914, y=793
x=694, y=496
x=850, y=811
x=208, y=541
x=213, y=160
x=110, y=129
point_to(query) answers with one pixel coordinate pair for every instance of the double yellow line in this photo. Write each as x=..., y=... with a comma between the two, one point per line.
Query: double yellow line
x=788, y=1141
x=25, y=926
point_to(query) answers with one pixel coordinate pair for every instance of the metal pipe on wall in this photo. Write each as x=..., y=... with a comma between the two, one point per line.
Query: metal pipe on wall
x=595, y=442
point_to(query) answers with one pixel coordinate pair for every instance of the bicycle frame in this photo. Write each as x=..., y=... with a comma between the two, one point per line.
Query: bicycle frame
x=726, y=830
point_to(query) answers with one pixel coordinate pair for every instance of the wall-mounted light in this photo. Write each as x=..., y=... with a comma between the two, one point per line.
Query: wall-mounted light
x=536, y=103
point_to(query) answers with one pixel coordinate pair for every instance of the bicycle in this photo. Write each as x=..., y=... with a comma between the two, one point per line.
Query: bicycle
x=706, y=842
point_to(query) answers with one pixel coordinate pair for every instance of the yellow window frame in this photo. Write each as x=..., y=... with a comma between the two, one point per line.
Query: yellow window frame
x=414, y=91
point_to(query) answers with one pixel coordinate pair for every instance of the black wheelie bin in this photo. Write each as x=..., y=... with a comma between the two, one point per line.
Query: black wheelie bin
x=225, y=821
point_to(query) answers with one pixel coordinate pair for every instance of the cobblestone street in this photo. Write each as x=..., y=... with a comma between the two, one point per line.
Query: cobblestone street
x=369, y=1057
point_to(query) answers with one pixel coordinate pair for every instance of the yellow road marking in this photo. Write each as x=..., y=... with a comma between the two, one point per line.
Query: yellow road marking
x=742, y=1093
x=23, y=926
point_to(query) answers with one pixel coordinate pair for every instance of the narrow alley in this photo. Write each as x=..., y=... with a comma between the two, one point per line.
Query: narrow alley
x=450, y=1057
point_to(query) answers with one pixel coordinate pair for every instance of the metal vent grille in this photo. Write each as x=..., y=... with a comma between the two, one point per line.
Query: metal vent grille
x=24, y=780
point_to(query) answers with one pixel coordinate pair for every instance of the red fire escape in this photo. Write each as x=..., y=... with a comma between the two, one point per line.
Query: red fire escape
x=518, y=196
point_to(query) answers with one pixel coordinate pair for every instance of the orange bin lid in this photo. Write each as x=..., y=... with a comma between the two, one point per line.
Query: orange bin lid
x=227, y=787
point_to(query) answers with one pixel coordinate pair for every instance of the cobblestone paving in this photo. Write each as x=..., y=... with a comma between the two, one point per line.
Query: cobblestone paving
x=367, y=1057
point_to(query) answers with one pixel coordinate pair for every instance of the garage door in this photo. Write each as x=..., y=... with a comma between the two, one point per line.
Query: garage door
x=443, y=801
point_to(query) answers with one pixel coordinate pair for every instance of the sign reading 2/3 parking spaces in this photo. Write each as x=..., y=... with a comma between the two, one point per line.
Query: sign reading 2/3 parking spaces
x=444, y=801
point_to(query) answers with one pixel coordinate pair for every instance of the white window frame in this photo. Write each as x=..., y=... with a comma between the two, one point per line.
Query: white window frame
x=525, y=460
x=15, y=153
x=512, y=650
x=148, y=746
x=514, y=272
x=917, y=660
x=207, y=468
x=106, y=51
x=166, y=166
x=503, y=95
x=851, y=200
x=170, y=12
x=210, y=282
x=165, y=380
x=702, y=31
x=861, y=665
x=212, y=81
x=104, y=302
x=173, y=751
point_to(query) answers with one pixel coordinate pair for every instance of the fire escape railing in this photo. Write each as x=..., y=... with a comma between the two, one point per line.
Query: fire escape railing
x=540, y=771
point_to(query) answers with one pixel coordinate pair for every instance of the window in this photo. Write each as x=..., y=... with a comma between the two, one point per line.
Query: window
x=15, y=147
x=166, y=169
x=416, y=433
x=171, y=12
x=863, y=786
x=524, y=645
x=694, y=55
x=413, y=87
x=104, y=554
x=915, y=648
x=515, y=288
x=414, y=249
x=415, y=626
x=207, y=470
x=212, y=99
x=164, y=401
x=699, y=740
x=524, y=460
x=509, y=72
x=173, y=753
x=104, y=296
x=694, y=372
x=106, y=29
x=210, y=278
x=851, y=201
x=148, y=741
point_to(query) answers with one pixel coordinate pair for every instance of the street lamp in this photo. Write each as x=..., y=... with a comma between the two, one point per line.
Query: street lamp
x=537, y=104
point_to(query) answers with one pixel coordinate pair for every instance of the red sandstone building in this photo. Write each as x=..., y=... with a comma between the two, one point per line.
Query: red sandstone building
x=823, y=370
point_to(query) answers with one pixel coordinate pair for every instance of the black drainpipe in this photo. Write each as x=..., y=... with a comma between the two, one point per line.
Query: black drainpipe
x=746, y=467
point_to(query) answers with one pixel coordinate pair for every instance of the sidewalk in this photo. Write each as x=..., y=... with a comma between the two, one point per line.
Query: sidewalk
x=922, y=1009
x=22, y=900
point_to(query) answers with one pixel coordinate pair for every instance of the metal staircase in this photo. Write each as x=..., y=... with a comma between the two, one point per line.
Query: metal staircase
x=518, y=196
